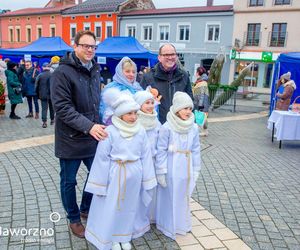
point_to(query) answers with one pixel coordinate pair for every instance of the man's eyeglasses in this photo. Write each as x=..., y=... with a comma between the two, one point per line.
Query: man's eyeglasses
x=87, y=46
x=169, y=55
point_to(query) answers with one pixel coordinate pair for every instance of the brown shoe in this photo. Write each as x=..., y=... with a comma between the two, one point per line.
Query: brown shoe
x=77, y=229
x=84, y=215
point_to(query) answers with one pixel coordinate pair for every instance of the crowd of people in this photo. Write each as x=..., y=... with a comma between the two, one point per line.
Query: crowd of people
x=27, y=80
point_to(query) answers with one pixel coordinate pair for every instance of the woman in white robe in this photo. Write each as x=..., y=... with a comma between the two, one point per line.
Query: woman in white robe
x=121, y=168
x=177, y=164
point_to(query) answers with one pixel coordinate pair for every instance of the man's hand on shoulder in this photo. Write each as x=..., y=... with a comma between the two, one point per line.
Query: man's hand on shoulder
x=98, y=132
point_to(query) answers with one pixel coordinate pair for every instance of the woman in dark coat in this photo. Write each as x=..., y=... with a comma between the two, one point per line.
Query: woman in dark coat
x=13, y=88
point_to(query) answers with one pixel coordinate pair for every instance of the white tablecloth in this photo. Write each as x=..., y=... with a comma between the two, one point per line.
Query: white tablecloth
x=287, y=125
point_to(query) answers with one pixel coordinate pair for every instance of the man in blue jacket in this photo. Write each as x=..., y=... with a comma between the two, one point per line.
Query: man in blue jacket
x=28, y=89
x=75, y=94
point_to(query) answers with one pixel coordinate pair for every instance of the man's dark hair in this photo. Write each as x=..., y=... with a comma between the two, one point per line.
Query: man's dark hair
x=161, y=47
x=82, y=33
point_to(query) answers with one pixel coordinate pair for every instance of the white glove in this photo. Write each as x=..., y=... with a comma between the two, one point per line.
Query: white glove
x=161, y=179
x=196, y=175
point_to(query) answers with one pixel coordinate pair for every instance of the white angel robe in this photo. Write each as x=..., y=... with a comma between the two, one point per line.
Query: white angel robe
x=147, y=214
x=178, y=156
x=120, y=169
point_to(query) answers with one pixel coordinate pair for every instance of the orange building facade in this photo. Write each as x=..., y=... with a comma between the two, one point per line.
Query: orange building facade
x=18, y=31
x=102, y=24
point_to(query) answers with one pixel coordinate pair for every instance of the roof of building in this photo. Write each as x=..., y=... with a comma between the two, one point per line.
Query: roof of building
x=168, y=11
x=36, y=11
x=91, y=6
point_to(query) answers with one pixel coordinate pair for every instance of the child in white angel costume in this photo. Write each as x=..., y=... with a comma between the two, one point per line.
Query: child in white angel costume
x=122, y=167
x=177, y=166
x=147, y=117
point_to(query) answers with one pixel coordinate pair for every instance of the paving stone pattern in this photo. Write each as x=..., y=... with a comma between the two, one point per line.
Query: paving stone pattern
x=251, y=185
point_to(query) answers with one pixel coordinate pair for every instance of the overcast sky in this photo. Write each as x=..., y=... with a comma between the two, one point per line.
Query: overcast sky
x=20, y=4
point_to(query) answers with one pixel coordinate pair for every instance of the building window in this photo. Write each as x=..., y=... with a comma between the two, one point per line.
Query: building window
x=39, y=18
x=213, y=32
x=98, y=16
x=86, y=17
x=109, y=15
x=52, y=30
x=98, y=30
x=73, y=30
x=86, y=26
x=163, y=32
x=39, y=32
x=73, y=17
x=28, y=35
x=109, y=29
x=278, y=35
x=253, y=34
x=52, y=17
x=147, y=32
x=256, y=2
x=18, y=19
x=11, y=34
x=28, y=18
x=18, y=35
x=183, y=32
x=131, y=30
x=282, y=2
x=10, y=19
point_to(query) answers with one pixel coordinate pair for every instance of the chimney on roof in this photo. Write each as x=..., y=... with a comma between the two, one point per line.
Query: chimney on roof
x=210, y=3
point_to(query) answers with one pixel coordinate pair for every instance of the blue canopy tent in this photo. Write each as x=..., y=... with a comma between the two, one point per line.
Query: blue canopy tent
x=284, y=63
x=40, y=50
x=115, y=48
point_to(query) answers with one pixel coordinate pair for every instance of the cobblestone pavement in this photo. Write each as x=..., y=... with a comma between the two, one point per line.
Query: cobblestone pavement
x=246, y=182
x=251, y=185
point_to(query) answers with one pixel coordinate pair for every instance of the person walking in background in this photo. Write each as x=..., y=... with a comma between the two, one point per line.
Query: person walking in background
x=21, y=69
x=28, y=89
x=13, y=88
x=3, y=88
x=75, y=95
x=42, y=85
x=167, y=77
x=284, y=98
x=201, y=96
x=177, y=166
x=124, y=80
x=107, y=77
x=54, y=63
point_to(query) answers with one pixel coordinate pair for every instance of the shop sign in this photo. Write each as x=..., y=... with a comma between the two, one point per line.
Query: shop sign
x=232, y=54
x=267, y=56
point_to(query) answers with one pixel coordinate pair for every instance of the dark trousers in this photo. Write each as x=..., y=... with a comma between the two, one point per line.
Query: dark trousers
x=68, y=172
x=36, y=104
x=45, y=104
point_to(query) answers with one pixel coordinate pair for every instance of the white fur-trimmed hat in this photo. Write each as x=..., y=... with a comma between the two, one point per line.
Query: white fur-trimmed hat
x=121, y=102
x=180, y=101
x=142, y=96
x=286, y=76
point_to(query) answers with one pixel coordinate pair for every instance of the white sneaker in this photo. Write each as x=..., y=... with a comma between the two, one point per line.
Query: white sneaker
x=126, y=246
x=116, y=246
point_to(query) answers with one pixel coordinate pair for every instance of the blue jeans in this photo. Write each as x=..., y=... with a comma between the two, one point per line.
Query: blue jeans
x=36, y=104
x=68, y=172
